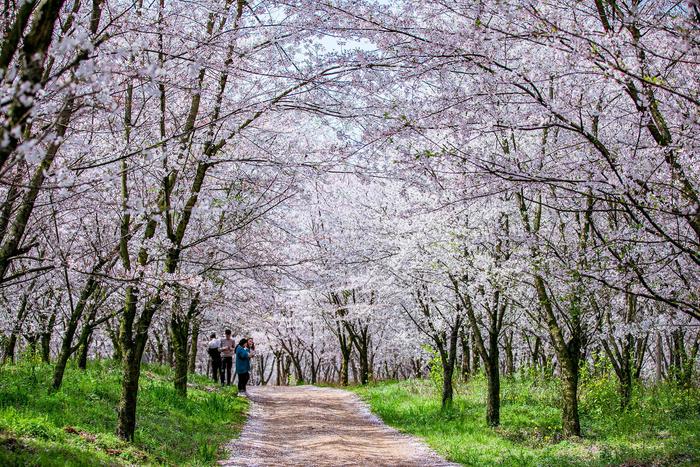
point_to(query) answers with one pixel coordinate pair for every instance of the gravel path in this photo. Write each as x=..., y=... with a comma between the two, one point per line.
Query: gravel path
x=310, y=426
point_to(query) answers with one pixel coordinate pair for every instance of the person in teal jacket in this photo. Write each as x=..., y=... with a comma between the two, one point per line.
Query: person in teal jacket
x=242, y=365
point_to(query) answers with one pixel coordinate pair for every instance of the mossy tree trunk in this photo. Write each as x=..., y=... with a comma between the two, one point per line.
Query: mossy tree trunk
x=34, y=65
x=35, y=45
x=179, y=328
x=311, y=348
x=476, y=357
x=534, y=345
x=345, y=353
x=568, y=351
x=361, y=341
x=489, y=351
x=67, y=348
x=293, y=347
x=11, y=343
x=89, y=326
x=114, y=339
x=682, y=357
x=133, y=336
x=48, y=325
x=279, y=373
x=570, y=415
x=465, y=370
x=194, y=346
x=14, y=33
x=263, y=363
x=342, y=333
x=365, y=356
x=298, y=370
x=444, y=340
x=627, y=353
x=510, y=356
x=84, y=351
x=179, y=332
x=448, y=360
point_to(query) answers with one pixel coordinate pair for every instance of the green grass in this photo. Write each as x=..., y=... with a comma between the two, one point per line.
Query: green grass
x=661, y=427
x=76, y=425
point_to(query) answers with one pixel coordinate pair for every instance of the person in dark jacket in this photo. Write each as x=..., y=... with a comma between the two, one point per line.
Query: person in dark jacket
x=242, y=365
x=213, y=350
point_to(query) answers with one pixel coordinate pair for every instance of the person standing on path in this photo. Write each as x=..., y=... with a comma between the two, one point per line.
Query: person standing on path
x=251, y=354
x=227, y=351
x=213, y=350
x=242, y=365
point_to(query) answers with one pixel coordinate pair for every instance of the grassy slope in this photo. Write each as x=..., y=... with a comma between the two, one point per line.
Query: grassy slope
x=661, y=428
x=75, y=426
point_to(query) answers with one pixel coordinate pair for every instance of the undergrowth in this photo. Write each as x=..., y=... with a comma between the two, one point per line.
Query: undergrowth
x=661, y=426
x=76, y=425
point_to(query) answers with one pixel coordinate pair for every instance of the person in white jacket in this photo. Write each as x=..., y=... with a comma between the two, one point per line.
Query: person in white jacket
x=227, y=349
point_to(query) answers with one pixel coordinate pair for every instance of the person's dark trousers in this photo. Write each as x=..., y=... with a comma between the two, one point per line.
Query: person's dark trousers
x=216, y=365
x=243, y=381
x=227, y=365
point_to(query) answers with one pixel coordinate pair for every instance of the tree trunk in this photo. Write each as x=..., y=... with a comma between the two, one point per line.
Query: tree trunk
x=261, y=367
x=621, y=359
x=491, y=356
x=287, y=369
x=568, y=354
x=194, y=341
x=126, y=411
x=298, y=371
x=535, y=351
x=133, y=340
x=13, y=35
x=35, y=44
x=625, y=388
x=417, y=367
x=345, y=367
x=570, y=416
x=659, y=359
x=131, y=368
x=476, y=357
x=179, y=330
x=160, y=349
x=181, y=363
x=361, y=341
x=466, y=355
x=510, y=358
x=63, y=356
x=169, y=352
x=447, y=388
x=448, y=366
x=67, y=348
x=114, y=339
x=31, y=344
x=364, y=364
x=9, y=354
x=626, y=354
x=493, y=399
x=345, y=353
x=83, y=352
x=45, y=347
x=46, y=338
x=312, y=355
x=86, y=337
x=278, y=362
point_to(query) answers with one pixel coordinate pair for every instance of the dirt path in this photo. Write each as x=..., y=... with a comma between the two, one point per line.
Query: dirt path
x=310, y=426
